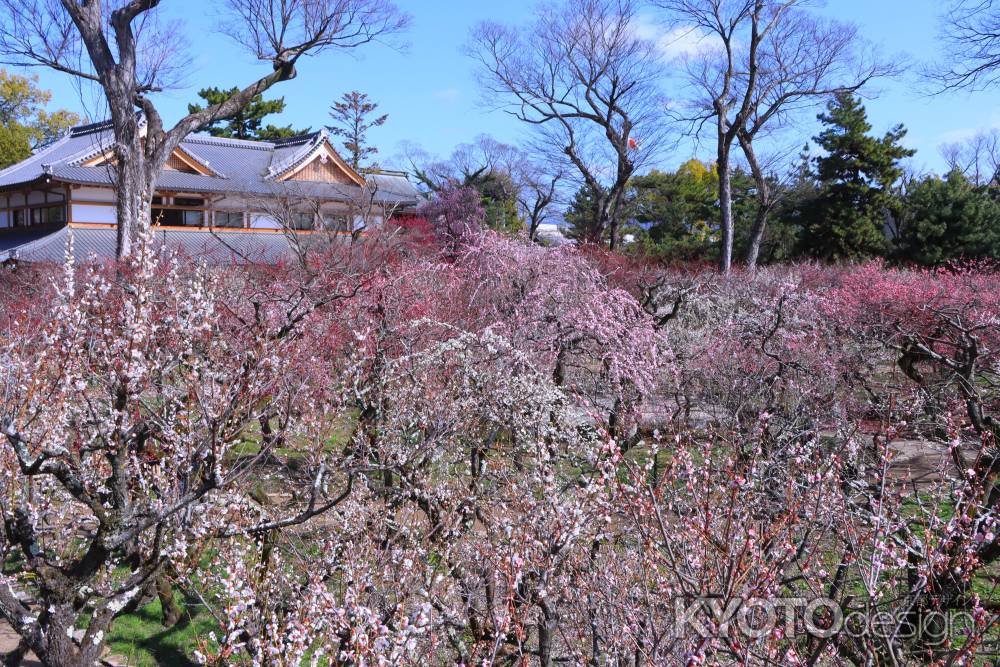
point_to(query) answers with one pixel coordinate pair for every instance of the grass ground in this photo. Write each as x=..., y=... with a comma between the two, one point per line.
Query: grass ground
x=140, y=640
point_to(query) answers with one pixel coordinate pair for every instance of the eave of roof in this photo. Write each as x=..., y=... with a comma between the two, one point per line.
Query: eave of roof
x=248, y=173
x=172, y=181
x=36, y=158
x=211, y=246
x=314, y=141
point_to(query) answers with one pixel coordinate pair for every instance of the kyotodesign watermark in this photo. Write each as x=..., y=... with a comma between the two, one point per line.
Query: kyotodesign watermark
x=757, y=618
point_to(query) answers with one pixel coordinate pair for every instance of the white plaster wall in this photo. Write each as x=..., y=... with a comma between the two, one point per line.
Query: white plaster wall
x=92, y=213
x=36, y=197
x=94, y=194
x=17, y=199
x=263, y=221
x=233, y=203
x=4, y=219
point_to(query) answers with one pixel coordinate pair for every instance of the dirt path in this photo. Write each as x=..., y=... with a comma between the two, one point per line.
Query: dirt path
x=9, y=640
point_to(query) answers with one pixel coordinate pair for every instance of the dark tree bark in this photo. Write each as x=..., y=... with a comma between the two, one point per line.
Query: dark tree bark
x=765, y=203
x=168, y=602
x=725, y=201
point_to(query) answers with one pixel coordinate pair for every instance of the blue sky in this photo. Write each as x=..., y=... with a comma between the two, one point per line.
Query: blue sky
x=429, y=89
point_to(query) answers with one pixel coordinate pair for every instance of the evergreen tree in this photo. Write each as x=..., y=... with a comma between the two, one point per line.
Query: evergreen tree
x=352, y=117
x=947, y=219
x=678, y=210
x=783, y=237
x=499, y=199
x=248, y=123
x=581, y=218
x=856, y=176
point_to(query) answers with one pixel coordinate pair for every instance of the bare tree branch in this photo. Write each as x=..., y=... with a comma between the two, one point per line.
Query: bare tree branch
x=762, y=62
x=589, y=85
x=971, y=40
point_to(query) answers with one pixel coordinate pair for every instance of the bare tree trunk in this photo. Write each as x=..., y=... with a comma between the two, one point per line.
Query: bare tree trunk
x=764, y=204
x=726, y=208
x=168, y=601
x=752, y=252
x=602, y=222
x=56, y=646
x=133, y=180
x=134, y=191
x=546, y=625
x=613, y=208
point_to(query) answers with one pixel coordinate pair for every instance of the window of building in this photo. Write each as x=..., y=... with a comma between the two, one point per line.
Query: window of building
x=49, y=215
x=171, y=217
x=336, y=222
x=229, y=218
x=192, y=218
x=301, y=220
x=17, y=217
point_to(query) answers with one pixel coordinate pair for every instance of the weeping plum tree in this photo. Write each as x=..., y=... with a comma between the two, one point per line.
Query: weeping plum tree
x=543, y=456
x=123, y=48
x=117, y=458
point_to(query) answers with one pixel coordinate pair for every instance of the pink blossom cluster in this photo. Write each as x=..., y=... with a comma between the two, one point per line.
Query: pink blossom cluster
x=407, y=451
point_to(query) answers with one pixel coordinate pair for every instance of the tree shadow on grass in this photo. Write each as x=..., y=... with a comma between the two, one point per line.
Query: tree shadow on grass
x=147, y=642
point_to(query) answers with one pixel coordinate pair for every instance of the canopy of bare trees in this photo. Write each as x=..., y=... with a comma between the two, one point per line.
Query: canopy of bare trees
x=761, y=62
x=971, y=37
x=589, y=85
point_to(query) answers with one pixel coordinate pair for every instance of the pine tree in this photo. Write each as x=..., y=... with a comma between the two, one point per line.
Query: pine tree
x=948, y=219
x=351, y=117
x=580, y=216
x=856, y=175
x=248, y=123
x=679, y=210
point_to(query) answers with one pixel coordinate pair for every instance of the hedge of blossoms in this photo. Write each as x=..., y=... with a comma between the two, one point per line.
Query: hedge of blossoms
x=474, y=450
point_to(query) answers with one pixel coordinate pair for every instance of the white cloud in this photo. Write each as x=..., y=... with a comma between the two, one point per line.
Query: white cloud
x=964, y=133
x=676, y=42
x=447, y=95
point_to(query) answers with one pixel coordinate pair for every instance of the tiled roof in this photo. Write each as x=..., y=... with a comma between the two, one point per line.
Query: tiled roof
x=241, y=167
x=98, y=243
x=289, y=153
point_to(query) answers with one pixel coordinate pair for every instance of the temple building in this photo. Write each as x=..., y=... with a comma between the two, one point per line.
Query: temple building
x=228, y=187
